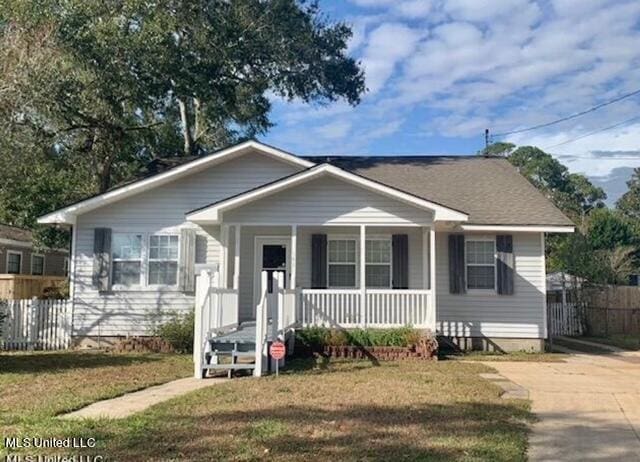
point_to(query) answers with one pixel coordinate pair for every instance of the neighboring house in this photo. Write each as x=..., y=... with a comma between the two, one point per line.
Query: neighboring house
x=455, y=244
x=18, y=256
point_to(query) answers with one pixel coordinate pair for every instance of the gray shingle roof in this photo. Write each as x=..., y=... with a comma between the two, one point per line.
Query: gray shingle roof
x=490, y=190
x=14, y=233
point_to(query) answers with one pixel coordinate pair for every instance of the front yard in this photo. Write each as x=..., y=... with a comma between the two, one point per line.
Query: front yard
x=328, y=411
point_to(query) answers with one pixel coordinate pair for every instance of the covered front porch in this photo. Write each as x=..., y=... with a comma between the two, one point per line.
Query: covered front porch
x=325, y=278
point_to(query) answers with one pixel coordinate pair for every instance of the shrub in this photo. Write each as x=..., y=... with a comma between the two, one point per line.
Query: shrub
x=316, y=338
x=3, y=315
x=178, y=332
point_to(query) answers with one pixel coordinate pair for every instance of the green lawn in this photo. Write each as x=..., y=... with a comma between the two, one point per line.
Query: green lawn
x=330, y=411
x=627, y=342
x=35, y=387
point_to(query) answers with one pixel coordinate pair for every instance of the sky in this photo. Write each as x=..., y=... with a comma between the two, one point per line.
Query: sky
x=439, y=72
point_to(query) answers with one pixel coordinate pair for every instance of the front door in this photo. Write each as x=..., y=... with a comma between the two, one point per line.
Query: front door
x=272, y=254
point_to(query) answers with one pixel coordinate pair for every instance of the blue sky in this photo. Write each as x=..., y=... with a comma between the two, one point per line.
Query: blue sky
x=440, y=72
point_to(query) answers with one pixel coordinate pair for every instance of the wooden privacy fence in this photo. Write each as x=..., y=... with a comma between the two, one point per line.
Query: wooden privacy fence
x=565, y=319
x=23, y=286
x=612, y=310
x=36, y=324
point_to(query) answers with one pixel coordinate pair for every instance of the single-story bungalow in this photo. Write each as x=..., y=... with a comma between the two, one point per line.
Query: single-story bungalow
x=455, y=244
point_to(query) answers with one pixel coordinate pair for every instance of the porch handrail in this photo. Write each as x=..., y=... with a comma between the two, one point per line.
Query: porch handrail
x=378, y=308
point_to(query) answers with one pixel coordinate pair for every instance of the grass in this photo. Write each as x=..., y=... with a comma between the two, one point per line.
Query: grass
x=512, y=356
x=626, y=342
x=35, y=387
x=333, y=410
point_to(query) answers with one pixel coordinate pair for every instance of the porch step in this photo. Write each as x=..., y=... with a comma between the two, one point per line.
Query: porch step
x=237, y=354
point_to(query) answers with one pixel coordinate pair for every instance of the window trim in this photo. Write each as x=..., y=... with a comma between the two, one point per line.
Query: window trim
x=14, y=252
x=389, y=264
x=44, y=264
x=66, y=266
x=355, y=263
x=147, y=261
x=472, y=238
x=141, y=259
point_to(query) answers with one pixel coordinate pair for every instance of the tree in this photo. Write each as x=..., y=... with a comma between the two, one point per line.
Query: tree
x=573, y=193
x=629, y=203
x=122, y=82
x=499, y=149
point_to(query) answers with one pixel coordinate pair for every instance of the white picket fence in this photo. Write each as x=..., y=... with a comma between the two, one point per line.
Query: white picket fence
x=36, y=324
x=565, y=319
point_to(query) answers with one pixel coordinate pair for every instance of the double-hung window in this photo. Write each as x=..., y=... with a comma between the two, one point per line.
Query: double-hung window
x=341, y=261
x=126, y=253
x=163, y=260
x=378, y=263
x=37, y=265
x=481, y=263
x=14, y=262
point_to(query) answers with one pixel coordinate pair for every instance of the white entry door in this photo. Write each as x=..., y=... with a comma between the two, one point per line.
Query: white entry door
x=271, y=255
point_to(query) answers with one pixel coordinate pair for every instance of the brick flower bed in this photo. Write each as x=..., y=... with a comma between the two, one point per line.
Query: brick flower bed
x=427, y=350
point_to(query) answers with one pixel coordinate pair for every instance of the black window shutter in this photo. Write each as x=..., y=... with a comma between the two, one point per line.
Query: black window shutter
x=505, y=263
x=102, y=259
x=457, y=283
x=400, y=248
x=319, y=261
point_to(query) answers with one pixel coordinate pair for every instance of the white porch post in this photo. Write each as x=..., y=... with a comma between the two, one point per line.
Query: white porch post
x=224, y=266
x=236, y=259
x=294, y=256
x=426, y=258
x=432, y=277
x=363, y=280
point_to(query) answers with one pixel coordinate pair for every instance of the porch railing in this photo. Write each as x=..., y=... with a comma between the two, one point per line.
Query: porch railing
x=377, y=308
x=216, y=308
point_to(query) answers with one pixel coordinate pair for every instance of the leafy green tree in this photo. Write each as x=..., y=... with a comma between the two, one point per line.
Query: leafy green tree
x=92, y=90
x=123, y=81
x=573, y=193
x=499, y=149
x=608, y=229
x=629, y=203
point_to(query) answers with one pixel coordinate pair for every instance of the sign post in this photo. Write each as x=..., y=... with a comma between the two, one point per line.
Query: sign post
x=277, y=352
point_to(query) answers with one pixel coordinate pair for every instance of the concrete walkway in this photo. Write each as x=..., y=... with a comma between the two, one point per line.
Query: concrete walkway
x=588, y=406
x=126, y=405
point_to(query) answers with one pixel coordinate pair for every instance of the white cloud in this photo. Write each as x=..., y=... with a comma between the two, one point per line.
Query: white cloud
x=387, y=45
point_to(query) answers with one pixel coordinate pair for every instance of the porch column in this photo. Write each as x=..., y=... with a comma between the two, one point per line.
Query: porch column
x=426, y=258
x=294, y=256
x=363, y=280
x=432, y=276
x=224, y=258
x=236, y=259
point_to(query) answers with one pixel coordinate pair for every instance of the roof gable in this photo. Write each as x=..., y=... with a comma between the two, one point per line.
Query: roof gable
x=68, y=214
x=213, y=213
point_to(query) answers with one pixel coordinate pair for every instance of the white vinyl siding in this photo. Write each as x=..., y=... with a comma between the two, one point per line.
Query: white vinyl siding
x=161, y=210
x=487, y=314
x=328, y=200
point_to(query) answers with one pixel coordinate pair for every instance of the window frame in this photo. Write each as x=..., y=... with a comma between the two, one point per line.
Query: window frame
x=141, y=259
x=389, y=264
x=66, y=266
x=492, y=290
x=15, y=252
x=148, y=260
x=44, y=263
x=353, y=239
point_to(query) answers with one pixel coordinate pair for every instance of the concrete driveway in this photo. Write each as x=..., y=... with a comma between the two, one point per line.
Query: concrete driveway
x=589, y=406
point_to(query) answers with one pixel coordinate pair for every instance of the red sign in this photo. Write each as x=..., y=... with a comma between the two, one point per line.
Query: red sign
x=277, y=350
